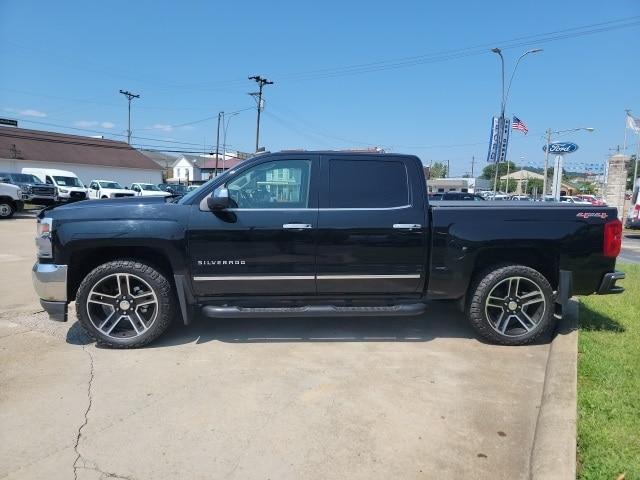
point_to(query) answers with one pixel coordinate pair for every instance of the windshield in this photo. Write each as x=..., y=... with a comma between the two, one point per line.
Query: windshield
x=111, y=185
x=68, y=181
x=25, y=178
x=149, y=187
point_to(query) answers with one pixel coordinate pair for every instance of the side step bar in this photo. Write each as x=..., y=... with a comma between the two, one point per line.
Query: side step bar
x=403, y=310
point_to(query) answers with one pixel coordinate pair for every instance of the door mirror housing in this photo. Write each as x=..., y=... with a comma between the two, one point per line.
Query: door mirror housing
x=218, y=200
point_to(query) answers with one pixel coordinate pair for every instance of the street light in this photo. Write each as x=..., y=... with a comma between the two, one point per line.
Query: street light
x=546, y=153
x=224, y=136
x=503, y=106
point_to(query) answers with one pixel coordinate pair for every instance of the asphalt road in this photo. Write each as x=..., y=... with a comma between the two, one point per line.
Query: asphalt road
x=256, y=399
x=630, y=248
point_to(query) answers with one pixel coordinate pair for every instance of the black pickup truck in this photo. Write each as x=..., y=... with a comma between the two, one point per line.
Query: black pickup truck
x=319, y=234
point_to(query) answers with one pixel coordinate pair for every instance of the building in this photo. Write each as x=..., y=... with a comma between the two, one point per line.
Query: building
x=165, y=160
x=463, y=184
x=89, y=158
x=197, y=168
x=521, y=177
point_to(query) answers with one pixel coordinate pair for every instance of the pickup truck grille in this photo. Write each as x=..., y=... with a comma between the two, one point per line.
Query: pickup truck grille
x=44, y=191
x=118, y=195
x=78, y=195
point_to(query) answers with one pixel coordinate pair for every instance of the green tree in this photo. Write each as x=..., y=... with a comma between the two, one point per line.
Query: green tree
x=489, y=171
x=438, y=170
x=534, y=185
x=587, y=188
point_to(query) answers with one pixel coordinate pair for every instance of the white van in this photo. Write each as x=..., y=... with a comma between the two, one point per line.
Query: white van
x=633, y=219
x=69, y=188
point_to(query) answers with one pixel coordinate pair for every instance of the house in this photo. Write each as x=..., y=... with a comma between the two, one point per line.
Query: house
x=89, y=158
x=522, y=176
x=165, y=160
x=189, y=168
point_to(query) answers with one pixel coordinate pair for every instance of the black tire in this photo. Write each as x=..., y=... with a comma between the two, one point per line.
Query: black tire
x=7, y=209
x=483, y=316
x=164, y=306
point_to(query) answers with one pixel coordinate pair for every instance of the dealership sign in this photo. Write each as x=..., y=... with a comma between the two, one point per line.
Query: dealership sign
x=560, y=148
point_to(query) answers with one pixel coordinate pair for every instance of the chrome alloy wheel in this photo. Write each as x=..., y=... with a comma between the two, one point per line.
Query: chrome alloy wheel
x=5, y=210
x=122, y=305
x=515, y=306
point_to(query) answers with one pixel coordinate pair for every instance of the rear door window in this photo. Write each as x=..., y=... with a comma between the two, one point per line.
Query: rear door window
x=367, y=184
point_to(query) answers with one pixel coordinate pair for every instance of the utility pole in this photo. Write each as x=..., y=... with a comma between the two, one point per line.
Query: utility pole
x=130, y=96
x=448, y=171
x=220, y=114
x=261, y=83
x=473, y=161
x=546, y=165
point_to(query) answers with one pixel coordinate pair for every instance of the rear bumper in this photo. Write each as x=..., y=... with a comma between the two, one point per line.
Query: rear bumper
x=608, y=285
x=50, y=283
x=632, y=224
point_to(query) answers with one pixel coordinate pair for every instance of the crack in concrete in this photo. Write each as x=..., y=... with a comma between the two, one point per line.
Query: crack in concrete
x=86, y=415
x=105, y=474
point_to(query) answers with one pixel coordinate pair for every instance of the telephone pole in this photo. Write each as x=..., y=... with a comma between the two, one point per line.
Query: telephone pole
x=261, y=83
x=130, y=96
x=473, y=161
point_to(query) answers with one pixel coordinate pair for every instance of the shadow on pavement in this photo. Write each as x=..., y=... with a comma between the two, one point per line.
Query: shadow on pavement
x=440, y=321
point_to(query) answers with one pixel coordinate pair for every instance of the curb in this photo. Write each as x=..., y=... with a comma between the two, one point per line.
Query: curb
x=553, y=454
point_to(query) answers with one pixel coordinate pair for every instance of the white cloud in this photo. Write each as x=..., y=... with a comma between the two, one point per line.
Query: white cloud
x=85, y=123
x=27, y=112
x=107, y=125
x=187, y=127
x=162, y=127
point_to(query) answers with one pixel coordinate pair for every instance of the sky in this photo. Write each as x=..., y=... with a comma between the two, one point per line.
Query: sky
x=413, y=77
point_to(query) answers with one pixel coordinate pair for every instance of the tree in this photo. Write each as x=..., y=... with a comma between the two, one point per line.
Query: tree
x=489, y=171
x=534, y=185
x=586, y=188
x=438, y=170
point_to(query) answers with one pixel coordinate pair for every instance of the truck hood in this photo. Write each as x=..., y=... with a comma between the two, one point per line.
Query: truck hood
x=89, y=208
x=153, y=193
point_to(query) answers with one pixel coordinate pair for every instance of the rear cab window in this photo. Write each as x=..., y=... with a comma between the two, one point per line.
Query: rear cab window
x=364, y=183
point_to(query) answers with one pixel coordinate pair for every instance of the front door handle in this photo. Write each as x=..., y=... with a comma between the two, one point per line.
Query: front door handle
x=296, y=226
x=407, y=226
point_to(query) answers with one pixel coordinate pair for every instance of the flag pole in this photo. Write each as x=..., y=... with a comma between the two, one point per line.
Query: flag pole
x=626, y=128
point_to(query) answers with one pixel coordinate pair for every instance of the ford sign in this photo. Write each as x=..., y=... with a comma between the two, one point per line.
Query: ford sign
x=560, y=148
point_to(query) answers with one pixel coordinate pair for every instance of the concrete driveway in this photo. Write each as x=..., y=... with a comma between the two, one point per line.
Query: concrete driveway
x=258, y=399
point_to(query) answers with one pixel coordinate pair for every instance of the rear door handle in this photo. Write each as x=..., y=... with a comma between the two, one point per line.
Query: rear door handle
x=407, y=226
x=296, y=226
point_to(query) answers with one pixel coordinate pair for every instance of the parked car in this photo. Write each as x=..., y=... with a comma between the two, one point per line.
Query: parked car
x=191, y=188
x=173, y=188
x=521, y=198
x=592, y=199
x=456, y=196
x=291, y=233
x=633, y=218
x=34, y=190
x=148, y=190
x=99, y=189
x=68, y=186
x=575, y=200
x=11, y=199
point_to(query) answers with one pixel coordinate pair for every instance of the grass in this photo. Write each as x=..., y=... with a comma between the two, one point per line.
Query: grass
x=609, y=383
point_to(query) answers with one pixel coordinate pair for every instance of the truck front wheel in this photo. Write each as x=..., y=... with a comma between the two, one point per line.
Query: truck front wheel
x=7, y=208
x=125, y=304
x=511, y=305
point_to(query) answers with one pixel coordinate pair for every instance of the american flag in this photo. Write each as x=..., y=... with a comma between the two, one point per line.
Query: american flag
x=518, y=124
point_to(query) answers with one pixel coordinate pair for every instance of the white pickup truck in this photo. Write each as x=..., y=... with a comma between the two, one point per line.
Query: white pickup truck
x=148, y=190
x=11, y=199
x=108, y=189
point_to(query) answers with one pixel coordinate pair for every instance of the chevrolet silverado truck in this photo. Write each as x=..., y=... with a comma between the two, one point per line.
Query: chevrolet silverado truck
x=320, y=234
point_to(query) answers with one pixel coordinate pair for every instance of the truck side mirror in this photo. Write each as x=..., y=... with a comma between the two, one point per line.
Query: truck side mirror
x=218, y=200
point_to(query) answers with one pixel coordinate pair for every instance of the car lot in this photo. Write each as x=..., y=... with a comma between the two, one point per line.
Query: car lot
x=296, y=398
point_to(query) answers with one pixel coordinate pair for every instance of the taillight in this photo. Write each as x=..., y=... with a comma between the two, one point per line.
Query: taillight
x=612, y=238
x=636, y=211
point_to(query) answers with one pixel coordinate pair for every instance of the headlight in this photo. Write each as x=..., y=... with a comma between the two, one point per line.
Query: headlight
x=63, y=190
x=43, y=237
x=27, y=189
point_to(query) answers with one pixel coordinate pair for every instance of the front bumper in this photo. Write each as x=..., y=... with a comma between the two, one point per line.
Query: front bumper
x=608, y=285
x=50, y=283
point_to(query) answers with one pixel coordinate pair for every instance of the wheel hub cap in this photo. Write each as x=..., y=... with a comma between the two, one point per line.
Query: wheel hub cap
x=125, y=305
x=513, y=305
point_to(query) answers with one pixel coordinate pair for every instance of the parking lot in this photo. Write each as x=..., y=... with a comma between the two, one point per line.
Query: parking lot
x=296, y=398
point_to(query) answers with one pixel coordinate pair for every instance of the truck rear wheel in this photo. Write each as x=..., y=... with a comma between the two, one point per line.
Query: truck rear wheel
x=125, y=304
x=511, y=305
